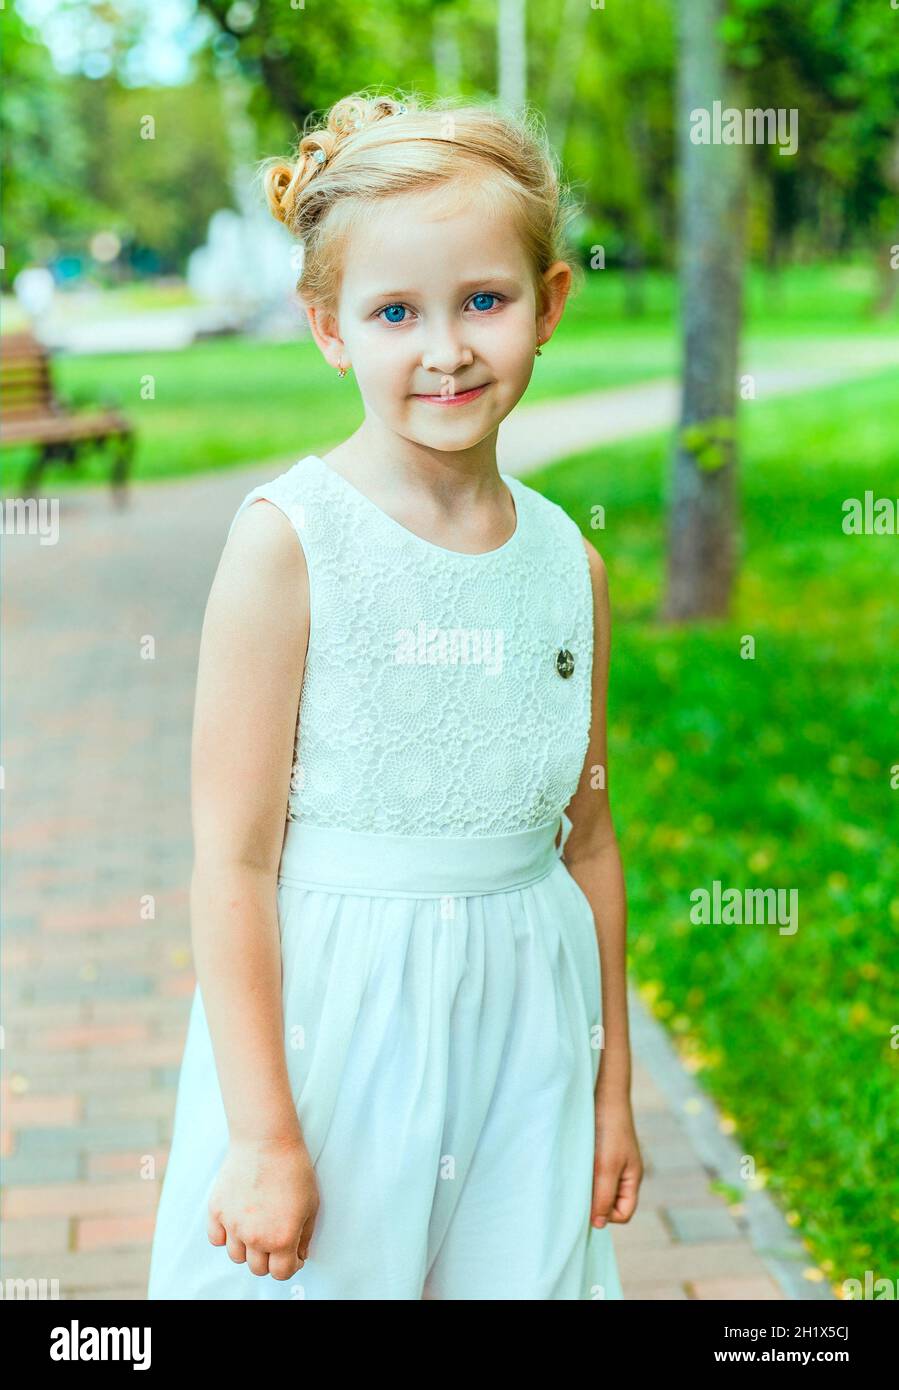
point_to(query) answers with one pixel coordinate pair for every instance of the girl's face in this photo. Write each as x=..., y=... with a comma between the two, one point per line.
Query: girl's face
x=439, y=319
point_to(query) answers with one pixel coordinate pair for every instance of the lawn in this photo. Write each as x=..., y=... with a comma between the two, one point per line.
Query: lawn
x=234, y=401
x=771, y=772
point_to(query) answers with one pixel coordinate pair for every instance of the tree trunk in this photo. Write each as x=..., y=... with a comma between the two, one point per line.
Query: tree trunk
x=888, y=271
x=703, y=523
x=445, y=50
x=511, y=53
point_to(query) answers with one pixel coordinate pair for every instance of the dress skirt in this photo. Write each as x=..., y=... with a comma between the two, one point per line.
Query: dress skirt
x=442, y=1025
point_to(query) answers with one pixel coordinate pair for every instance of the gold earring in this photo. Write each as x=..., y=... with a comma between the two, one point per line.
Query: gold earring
x=341, y=370
x=538, y=353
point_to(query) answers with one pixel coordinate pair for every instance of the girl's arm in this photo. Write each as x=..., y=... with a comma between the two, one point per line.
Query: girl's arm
x=252, y=657
x=592, y=857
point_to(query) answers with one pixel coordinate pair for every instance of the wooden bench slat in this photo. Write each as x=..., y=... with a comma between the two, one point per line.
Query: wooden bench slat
x=31, y=413
x=50, y=430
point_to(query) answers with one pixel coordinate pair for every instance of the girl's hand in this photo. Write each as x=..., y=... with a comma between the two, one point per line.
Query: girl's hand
x=617, y=1165
x=264, y=1204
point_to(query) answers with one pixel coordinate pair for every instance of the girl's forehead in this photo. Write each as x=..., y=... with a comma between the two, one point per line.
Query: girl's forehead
x=407, y=234
x=464, y=204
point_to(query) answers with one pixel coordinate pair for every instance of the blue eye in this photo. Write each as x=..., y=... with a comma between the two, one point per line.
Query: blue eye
x=484, y=301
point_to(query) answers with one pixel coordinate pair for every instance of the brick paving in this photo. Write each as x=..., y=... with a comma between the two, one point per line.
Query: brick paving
x=102, y=632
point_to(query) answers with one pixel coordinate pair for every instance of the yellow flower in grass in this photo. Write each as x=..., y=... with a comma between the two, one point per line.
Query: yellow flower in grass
x=706, y=1058
x=665, y=762
x=760, y=861
x=670, y=837
x=859, y=1013
x=837, y=881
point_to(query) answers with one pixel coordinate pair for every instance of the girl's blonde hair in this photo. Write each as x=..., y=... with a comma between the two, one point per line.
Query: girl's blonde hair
x=371, y=147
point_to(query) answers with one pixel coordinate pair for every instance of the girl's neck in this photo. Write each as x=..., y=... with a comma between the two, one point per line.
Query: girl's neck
x=457, y=501
x=384, y=464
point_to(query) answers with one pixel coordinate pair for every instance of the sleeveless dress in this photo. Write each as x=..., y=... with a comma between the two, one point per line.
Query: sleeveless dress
x=441, y=974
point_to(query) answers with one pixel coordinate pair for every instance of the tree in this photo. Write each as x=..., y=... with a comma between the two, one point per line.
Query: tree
x=44, y=150
x=702, y=544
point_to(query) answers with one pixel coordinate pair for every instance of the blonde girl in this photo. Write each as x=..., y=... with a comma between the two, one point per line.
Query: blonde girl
x=407, y=1070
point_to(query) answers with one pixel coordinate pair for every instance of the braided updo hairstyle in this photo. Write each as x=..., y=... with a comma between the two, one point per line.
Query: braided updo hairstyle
x=372, y=147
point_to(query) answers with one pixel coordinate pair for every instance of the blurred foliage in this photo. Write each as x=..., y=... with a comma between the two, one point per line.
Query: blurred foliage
x=74, y=162
x=603, y=80
x=158, y=192
x=43, y=150
x=837, y=63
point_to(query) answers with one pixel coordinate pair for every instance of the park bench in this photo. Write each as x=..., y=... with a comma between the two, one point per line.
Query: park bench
x=31, y=413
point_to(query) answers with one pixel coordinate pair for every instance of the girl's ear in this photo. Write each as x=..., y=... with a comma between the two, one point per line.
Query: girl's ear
x=556, y=285
x=325, y=330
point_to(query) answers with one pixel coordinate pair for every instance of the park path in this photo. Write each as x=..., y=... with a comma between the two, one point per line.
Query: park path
x=96, y=943
x=539, y=434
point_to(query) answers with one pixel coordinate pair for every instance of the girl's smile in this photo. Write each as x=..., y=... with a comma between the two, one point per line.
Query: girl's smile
x=459, y=398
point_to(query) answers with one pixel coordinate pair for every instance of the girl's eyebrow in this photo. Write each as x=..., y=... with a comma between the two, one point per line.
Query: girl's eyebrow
x=502, y=278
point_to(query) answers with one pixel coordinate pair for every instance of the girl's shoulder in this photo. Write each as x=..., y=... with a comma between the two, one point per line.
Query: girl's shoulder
x=550, y=524
x=539, y=504
x=289, y=491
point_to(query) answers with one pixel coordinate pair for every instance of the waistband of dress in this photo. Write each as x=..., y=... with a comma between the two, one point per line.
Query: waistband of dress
x=350, y=861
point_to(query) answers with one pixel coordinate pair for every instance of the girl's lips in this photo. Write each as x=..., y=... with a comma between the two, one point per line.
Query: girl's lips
x=458, y=399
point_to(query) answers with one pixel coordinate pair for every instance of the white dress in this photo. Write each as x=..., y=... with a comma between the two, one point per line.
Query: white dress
x=441, y=979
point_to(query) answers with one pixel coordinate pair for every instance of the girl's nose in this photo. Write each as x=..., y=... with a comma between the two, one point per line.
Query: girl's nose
x=447, y=355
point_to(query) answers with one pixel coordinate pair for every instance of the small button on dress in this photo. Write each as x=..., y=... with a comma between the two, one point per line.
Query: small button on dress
x=440, y=969
x=565, y=663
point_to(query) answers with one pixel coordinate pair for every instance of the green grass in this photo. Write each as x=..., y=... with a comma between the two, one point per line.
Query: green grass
x=228, y=402
x=772, y=772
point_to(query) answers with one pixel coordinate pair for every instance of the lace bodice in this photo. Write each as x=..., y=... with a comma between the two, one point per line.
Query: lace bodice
x=444, y=693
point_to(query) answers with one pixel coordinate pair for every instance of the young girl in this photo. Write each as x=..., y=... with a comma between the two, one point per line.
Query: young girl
x=405, y=1076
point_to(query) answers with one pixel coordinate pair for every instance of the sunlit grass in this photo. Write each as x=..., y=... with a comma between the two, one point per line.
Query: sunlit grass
x=772, y=772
